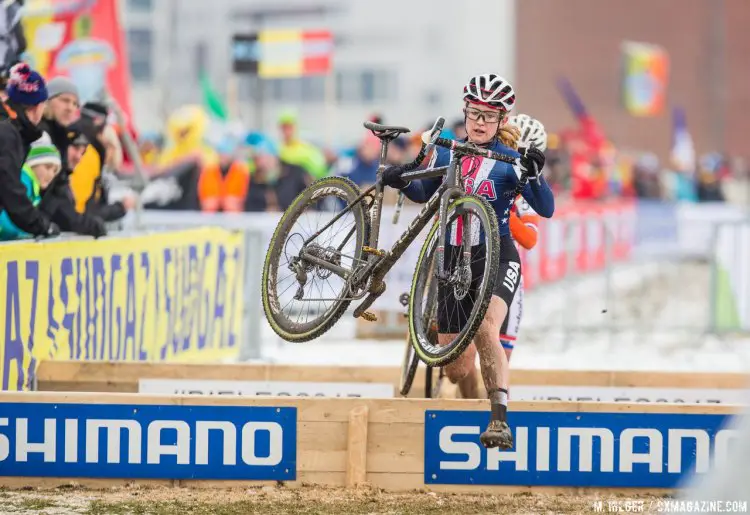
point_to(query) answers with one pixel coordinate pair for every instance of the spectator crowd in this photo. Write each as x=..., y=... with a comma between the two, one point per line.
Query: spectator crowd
x=64, y=169
x=54, y=154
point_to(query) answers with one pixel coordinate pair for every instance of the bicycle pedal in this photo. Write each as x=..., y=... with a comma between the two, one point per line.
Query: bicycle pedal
x=370, y=250
x=369, y=316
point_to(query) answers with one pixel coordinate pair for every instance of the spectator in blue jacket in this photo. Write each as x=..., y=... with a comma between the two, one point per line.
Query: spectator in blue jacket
x=41, y=166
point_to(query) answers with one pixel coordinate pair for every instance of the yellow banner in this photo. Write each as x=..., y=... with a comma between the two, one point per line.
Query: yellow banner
x=173, y=296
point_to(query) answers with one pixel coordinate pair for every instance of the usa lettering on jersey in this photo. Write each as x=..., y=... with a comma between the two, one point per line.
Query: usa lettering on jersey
x=512, y=274
x=485, y=188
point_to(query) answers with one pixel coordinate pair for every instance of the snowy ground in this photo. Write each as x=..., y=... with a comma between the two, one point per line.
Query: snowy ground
x=656, y=318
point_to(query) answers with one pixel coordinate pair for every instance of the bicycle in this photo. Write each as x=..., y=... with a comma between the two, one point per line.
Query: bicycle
x=347, y=252
x=411, y=360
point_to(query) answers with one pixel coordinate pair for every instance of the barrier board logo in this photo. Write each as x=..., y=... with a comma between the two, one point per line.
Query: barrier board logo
x=644, y=450
x=148, y=441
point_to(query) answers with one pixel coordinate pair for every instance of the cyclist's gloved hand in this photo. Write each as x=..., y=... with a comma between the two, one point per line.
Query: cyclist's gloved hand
x=392, y=177
x=531, y=157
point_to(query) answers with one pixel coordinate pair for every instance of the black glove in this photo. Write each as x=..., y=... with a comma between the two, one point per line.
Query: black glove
x=532, y=161
x=392, y=177
x=52, y=230
x=97, y=228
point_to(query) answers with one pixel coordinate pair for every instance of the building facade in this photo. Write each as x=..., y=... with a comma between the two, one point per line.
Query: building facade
x=405, y=60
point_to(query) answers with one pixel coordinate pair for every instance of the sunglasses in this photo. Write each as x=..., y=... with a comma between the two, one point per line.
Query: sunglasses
x=488, y=116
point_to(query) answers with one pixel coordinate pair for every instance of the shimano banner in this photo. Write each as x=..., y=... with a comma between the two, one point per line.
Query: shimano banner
x=642, y=450
x=148, y=441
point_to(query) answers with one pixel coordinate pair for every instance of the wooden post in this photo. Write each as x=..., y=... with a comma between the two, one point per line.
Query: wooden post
x=356, y=447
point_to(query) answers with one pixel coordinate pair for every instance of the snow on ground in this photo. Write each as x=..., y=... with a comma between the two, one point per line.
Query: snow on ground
x=647, y=316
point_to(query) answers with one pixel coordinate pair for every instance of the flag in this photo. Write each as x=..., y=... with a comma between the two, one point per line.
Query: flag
x=589, y=129
x=683, y=150
x=83, y=40
x=645, y=76
x=212, y=101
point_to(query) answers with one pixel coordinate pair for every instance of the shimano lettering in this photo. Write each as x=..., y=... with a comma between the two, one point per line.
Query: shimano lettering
x=148, y=441
x=576, y=449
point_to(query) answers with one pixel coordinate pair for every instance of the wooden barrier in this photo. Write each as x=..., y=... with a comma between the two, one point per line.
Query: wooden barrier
x=343, y=442
x=83, y=376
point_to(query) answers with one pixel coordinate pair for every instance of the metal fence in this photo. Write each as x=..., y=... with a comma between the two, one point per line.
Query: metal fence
x=665, y=290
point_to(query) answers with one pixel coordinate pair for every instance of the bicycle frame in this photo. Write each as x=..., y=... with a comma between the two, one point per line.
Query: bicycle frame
x=377, y=264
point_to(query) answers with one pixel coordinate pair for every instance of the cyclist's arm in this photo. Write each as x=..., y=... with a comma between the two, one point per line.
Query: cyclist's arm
x=524, y=229
x=539, y=196
x=421, y=190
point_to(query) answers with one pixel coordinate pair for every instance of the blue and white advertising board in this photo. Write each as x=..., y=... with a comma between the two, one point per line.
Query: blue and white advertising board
x=148, y=441
x=640, y=450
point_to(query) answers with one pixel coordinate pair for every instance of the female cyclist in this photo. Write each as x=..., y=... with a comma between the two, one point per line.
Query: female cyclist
x=523, y=224
x=487, y=101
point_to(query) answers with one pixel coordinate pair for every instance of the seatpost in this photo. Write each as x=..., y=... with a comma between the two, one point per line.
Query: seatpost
x=384, y=151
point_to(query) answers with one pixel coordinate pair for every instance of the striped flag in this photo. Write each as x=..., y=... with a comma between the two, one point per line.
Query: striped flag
x=294, y=53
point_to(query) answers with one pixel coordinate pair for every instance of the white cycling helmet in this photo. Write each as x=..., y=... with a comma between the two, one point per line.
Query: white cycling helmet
x=532, y=131
x=492, y=90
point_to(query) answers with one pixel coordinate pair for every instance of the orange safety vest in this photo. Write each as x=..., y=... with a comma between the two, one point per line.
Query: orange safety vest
x=223, y=192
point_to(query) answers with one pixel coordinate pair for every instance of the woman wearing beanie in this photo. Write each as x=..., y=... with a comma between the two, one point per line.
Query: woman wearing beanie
x=27, y=95
x=42, y=165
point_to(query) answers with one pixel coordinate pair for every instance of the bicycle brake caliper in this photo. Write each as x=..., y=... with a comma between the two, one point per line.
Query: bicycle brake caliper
x=376, y=252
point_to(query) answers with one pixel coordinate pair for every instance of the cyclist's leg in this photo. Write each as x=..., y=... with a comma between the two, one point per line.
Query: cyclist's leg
x=451, y=318
x=512, y=323
x=493, y=360
x=463, y=371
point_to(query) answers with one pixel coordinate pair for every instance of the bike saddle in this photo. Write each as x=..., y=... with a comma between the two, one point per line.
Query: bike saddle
x=385, y=131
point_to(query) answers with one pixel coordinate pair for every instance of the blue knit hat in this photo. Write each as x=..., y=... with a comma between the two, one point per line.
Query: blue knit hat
x=25, y=86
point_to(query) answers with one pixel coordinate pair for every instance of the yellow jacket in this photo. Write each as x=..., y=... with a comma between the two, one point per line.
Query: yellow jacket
x=84, y=181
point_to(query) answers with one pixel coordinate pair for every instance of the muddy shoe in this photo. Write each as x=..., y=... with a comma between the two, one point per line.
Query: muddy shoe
x=497, y=435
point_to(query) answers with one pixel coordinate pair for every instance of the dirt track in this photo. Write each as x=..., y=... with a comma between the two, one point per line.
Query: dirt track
x=280, y=500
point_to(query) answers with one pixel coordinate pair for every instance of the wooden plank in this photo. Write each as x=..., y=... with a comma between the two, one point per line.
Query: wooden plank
x=396, y=447
x=123, y=376
x=322, y=461
x=356, y=451
x=321, y=436
x=388, y=411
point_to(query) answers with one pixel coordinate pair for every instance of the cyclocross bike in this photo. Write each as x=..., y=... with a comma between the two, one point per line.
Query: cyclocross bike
x=324, y=252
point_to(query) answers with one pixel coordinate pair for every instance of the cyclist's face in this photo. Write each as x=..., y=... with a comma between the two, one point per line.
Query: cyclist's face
x=482, y=122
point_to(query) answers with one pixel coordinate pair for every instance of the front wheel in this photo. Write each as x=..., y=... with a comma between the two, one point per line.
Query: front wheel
x=464, y=295
x=317, y=244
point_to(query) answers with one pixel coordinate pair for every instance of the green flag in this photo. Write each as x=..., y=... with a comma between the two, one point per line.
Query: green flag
x=211, y=99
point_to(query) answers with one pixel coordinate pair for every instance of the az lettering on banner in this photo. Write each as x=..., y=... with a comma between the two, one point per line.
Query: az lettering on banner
x=89, y=300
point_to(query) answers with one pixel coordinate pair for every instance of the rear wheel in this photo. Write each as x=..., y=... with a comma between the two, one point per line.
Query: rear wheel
x=467, y=291
x=408, y=369
x=301, y=298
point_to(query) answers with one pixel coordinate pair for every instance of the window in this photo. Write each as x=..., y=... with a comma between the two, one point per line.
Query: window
x=358, y=86
x=140, y=46
x=201, y=58
x=140, y=5
x=313, y=88
x=296, y=89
